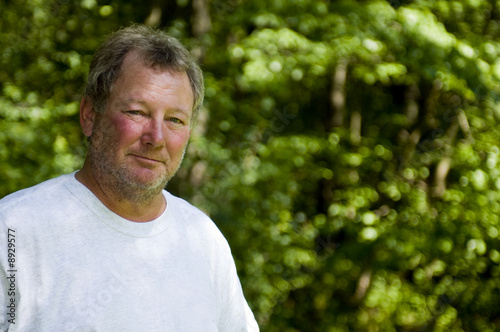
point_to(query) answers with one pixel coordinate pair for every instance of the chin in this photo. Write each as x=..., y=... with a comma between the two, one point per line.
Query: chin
x=151, y=182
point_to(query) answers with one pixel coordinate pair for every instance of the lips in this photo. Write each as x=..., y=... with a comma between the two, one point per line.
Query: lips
x=148, y=159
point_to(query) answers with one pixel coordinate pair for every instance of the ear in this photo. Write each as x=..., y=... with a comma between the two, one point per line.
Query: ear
x=87, y=117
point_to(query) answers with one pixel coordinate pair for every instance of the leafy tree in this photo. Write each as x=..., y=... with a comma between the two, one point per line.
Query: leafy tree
x=347, y=149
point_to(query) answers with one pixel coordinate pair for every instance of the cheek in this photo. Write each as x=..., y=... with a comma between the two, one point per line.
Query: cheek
x=177, y=141
x=124, y=132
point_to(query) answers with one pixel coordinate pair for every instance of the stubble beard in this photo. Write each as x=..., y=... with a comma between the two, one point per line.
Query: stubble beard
x=118, y=178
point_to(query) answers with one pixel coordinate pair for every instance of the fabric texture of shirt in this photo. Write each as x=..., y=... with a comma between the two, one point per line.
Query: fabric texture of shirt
x=74, y=265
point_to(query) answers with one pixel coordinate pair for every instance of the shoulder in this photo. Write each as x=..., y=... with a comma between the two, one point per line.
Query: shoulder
x=195, y=221
x=41, y=194
x=184, y=208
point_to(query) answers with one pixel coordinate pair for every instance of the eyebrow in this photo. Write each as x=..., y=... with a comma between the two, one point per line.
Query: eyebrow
x=143, y=103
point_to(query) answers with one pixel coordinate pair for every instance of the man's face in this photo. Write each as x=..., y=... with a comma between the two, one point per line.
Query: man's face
x=138, y=144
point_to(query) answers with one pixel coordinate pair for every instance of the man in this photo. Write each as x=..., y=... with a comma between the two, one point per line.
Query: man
x=106, y=248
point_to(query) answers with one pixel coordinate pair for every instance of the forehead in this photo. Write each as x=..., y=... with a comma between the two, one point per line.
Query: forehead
x=136, y=61
x=135, y=74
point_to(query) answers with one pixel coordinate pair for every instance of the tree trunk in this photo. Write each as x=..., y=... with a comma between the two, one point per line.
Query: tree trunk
x=337, y=95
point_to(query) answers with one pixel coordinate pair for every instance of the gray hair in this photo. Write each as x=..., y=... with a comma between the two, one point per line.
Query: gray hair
x=155, y=47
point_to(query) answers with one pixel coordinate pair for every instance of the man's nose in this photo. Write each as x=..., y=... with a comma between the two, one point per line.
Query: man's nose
x=154, y=133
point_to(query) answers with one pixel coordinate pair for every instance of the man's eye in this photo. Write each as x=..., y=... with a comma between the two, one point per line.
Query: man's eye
x=176, y=120
x=134, y=112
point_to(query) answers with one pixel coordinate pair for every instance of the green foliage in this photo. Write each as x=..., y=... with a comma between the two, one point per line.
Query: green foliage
x=348, y=149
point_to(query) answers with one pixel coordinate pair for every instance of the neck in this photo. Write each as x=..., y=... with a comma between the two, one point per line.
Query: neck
x=139, y=210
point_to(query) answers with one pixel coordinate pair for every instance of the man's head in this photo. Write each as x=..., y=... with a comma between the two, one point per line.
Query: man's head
x=156, y=48
x=137, y=110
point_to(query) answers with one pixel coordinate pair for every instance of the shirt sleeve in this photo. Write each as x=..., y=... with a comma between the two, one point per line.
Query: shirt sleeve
x=3, y=299
x=8, y=293
x=235, y=314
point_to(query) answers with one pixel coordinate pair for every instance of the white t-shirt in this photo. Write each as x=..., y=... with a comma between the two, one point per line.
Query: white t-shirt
x=68, y=263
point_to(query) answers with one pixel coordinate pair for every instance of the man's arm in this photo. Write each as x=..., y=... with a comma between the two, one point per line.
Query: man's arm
x=4, y=281
x=236, y=314
x=4, y=319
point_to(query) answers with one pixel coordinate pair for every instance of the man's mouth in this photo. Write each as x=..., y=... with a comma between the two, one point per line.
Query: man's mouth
x=148, y=159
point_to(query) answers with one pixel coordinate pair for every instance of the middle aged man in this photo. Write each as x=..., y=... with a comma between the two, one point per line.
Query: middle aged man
x=106, y=248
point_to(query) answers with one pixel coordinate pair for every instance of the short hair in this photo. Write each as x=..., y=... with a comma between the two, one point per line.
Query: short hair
x=156, y=49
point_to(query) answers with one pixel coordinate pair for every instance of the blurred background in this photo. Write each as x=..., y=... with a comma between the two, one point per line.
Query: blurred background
x=348, y=150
